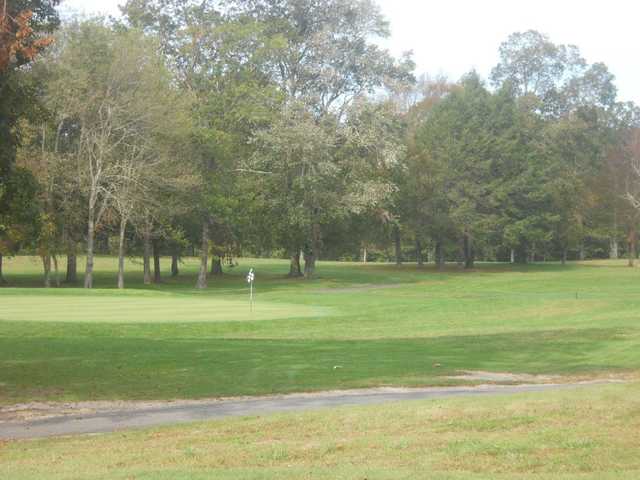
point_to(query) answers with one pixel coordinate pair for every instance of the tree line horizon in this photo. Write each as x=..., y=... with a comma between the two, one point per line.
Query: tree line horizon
x=281, y=129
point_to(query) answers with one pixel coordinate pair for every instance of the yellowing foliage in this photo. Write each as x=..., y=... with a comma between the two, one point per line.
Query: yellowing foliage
x=17, y=38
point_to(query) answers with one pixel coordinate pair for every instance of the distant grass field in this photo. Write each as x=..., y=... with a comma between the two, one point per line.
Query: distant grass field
x=382, y=324
x=585, y=434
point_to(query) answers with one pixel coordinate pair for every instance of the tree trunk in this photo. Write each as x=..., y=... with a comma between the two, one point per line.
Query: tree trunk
x=564, y=256
x=583, y=254
x=216, y=265
x=46, y=262
x=364, y=254
x=614, y=252
x=419, y=259
x=309, y=263
x=204, y=256
x=513, y=256
x=123, y=228
x=469, y=256
x=439, y=255
x=157, y=278
x=398, y=244
x=294, y=265
x=311, y=254
x=56, y=273
x=72, y=264
x=175, y=269
x=88, y=273
x=146, y=256
x=2, y=280
x=520, y=254
x=461, y=252
x=633, y=241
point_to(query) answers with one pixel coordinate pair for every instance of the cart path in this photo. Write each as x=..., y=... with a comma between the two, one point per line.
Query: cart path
x=169, y=414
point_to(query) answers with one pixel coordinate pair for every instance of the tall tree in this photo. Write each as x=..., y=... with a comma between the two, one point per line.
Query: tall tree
x=121, y=121
x=420, y=199
x=217, y=58
x=632, y=187
x=324, y=57
x=577, y=102
x=534, y=65
x=24, y=29
x=459, y=143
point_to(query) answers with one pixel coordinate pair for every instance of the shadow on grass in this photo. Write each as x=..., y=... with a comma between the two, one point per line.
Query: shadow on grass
x=107, y=367
x=272, y=275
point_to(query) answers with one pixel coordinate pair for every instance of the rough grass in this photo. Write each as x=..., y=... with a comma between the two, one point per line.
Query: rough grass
x=171, y=341
x=585, y=434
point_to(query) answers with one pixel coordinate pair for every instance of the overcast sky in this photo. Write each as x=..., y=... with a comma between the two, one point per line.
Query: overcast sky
x=452, y=37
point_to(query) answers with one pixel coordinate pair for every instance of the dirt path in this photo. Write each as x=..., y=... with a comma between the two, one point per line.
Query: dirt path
x=110, y=417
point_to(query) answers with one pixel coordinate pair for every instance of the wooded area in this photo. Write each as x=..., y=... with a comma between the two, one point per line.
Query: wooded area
x=279, y=128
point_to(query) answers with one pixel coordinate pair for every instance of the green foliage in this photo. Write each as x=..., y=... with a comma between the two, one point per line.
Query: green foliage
x=516, y=167
x=459, y=154
x=45, y=17
x=323, y=51
x=17, y=95
x=533, y=65
x=19, y=212
x=273, y=135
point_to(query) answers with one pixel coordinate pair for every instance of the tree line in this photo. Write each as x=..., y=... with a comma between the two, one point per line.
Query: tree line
x=281, y=128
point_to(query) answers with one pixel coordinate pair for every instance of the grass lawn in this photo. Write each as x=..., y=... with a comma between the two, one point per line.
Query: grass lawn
x=384, y=325
x=585, y=434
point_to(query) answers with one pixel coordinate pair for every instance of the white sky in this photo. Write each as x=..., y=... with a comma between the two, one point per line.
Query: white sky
x=452, y=37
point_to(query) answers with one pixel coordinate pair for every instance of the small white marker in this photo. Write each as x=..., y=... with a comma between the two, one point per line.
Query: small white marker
x=250, y=278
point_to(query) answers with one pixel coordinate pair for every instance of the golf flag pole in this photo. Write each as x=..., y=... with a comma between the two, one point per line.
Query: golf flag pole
x=250, y=278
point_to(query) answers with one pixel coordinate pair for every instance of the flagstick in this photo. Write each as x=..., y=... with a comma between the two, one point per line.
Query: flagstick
x=251, y=297
x=250, y=279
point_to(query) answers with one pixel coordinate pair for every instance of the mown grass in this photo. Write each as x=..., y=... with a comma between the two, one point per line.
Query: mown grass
x=590, y=433
x=383, y=325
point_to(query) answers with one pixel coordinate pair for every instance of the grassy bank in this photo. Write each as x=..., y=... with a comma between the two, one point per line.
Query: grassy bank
x=584, y=434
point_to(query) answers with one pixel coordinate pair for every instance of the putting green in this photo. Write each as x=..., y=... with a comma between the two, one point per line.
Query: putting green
x=110, y=307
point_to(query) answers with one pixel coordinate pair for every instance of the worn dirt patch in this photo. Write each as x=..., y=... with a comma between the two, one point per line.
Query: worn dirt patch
x=42, y=410
x=503, y=377
x=26, y=412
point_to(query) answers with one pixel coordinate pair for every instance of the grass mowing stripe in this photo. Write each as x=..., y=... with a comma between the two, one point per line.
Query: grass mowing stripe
x=96, y=367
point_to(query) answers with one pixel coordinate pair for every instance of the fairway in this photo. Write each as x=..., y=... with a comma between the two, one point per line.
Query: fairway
x=354, y=326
